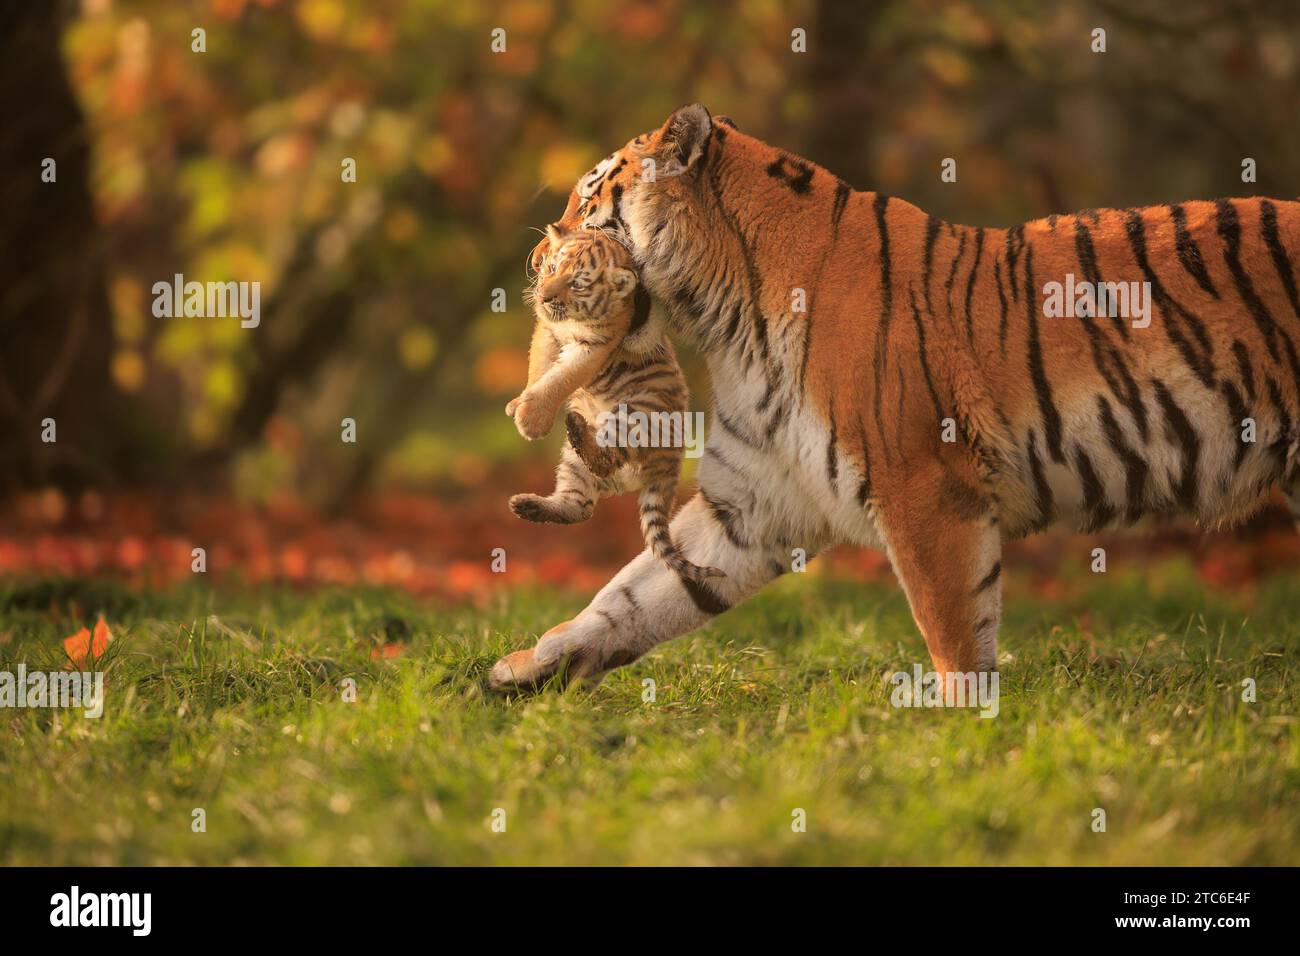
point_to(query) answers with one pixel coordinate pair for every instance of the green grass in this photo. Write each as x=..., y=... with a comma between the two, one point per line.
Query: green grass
x=1125, y=696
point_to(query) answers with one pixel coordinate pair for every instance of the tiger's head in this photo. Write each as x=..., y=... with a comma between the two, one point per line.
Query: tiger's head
x=583, y=275
x=628, y=193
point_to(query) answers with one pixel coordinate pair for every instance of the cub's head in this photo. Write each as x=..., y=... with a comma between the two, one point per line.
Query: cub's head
x=652, y=181
x=583, y=274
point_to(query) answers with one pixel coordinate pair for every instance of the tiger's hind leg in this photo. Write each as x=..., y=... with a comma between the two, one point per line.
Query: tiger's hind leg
x=942, y=536
x=571, y=502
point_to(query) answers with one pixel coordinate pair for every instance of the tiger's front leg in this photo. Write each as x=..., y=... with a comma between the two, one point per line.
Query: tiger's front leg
x=646, y=603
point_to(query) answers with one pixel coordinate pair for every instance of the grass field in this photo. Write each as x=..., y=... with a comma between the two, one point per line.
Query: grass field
x=1124, y=696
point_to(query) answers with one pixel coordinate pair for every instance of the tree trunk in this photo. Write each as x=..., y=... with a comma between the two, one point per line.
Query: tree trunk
x=56, y=335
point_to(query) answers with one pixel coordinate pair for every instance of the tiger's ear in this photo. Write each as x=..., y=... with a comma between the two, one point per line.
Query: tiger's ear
x=623, y=281
x=685, y=137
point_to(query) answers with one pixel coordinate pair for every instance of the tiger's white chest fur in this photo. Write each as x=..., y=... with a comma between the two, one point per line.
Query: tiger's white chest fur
x=785, y=462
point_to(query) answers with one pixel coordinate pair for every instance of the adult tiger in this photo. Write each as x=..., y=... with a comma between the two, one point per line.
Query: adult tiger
x=834, y=424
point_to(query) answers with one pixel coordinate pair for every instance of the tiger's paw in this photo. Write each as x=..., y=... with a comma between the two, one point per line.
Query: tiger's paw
x=576, y=428
x=519, y=673
x=530, y=507
x=544, y=510
x=527, y=671
x=532, y=419
x=583, y=441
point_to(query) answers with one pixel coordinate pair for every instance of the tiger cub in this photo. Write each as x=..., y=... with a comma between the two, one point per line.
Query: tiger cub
x=591, y=345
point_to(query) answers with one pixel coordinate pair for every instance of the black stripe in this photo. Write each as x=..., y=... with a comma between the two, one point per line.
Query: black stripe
x=1037, y=372
x=989, y=579
x=886, y=310
x=1107, y=359
x=832, y=456
x=1002, y=299
x=733, y=326
x=1015, y=243
x=1135, y=466
x=952, y=274
x=1244, y=367
x=1042, y=490
x=925, y=363
x=842, y=192
x=798, y=179
x=1132, y=394
x=1230, y=231
x=732, y=429
x=931, y=234
x=1236, y=413
x=1190, y=443
x=704, y=597
x=1087, y=254
x=1099, y=510
x=778, y=419
x=1189, y=253
x=752, y=274
x=1201, y=364
x=864, y=486
x=640, y=308
x=1268, y=223
x=1279, y=447
x=728, y=519
x=970, y=284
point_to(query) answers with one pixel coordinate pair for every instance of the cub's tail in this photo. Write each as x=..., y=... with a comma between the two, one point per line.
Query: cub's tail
x=656, y=498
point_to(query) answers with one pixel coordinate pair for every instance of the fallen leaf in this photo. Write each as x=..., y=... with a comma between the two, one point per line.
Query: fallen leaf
x=83, y=643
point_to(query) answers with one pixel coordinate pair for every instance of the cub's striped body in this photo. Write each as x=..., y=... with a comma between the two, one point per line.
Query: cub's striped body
x=592, y=347
x=829, y=423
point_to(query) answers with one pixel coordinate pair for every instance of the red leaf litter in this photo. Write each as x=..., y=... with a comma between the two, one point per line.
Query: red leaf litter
x=83, y=644
x=446, y=547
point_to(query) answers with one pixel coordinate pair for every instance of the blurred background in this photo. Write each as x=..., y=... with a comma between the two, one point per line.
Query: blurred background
x=376, y=295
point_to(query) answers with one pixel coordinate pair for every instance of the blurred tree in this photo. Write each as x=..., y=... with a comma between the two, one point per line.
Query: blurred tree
x=55, y=336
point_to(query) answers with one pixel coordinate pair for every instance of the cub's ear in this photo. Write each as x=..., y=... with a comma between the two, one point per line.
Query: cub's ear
x=556, y=233
x=623, y=281
x=685, y=137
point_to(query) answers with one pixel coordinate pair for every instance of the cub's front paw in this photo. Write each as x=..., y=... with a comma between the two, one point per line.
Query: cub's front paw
x=533, y=420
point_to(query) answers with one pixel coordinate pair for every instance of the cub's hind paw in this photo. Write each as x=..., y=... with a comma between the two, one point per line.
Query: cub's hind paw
x=530, y=508
x=576, y=427
x=537, y=508
x=582, y=439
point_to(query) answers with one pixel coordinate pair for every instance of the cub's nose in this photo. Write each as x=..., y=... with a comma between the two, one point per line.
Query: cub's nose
x=550, y=292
